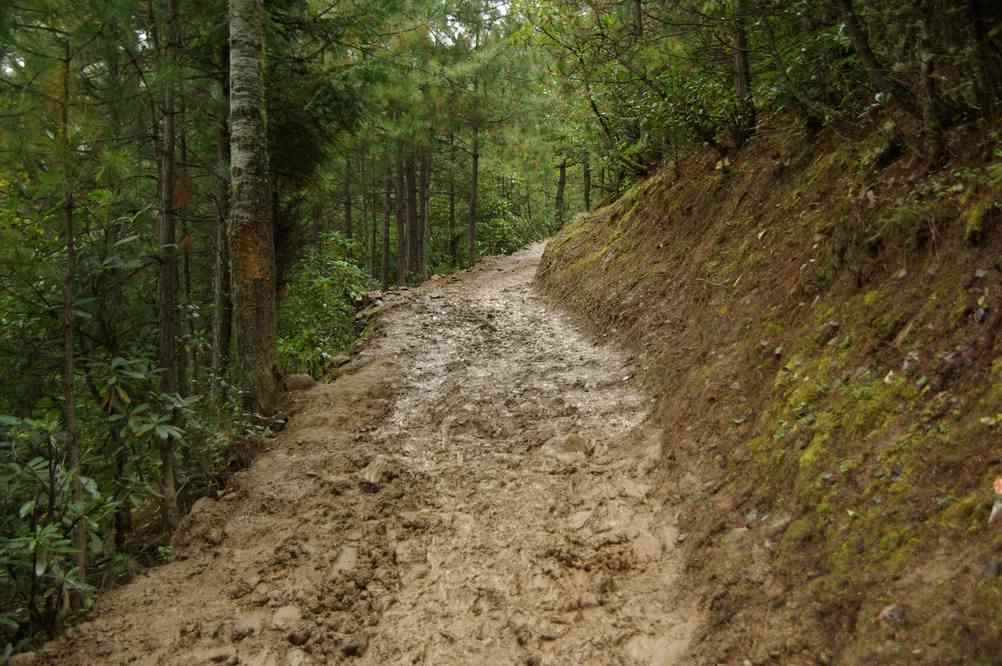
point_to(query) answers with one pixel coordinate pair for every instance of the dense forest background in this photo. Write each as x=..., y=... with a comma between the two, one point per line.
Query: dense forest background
x=196, y=195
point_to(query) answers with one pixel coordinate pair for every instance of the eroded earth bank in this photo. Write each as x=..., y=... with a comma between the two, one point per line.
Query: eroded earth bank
x=474, y=489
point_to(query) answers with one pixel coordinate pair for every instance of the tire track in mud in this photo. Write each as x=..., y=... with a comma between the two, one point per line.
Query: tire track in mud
x=473, y=490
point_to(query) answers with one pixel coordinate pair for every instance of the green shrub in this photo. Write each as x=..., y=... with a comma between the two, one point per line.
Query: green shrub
x=317, y=314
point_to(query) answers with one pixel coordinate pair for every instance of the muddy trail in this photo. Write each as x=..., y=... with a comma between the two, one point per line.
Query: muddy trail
x=474, y=489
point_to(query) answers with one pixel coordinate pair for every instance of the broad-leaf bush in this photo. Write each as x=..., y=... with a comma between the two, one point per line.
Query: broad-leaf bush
x=317, y=313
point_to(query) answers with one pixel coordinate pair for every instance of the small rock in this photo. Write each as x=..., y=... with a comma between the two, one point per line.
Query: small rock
x=992, y=569
x=286, y=618
x=778, y=352
x=297, y=658
x=411, y=520
x=377, y=473
x=828, y=331
x=244, y=626
x=996, y=511
x=901, y=275
x=980, y=274
x=778, y=526
x=214, y=536
x=354, y=647
x=299, y=635
x=892, y=614
x=299, y=383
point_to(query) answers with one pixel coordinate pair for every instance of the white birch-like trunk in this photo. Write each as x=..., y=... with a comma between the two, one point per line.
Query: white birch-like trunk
x=251, y=232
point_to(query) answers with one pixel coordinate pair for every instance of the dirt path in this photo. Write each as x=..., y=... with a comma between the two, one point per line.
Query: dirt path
x=472, y=491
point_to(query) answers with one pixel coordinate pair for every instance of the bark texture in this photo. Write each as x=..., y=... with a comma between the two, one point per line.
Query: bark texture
x=401, y=262
x=252, y=234
x=561, y=188
x=168, y=359
x=414, y=235
x=387, y=211
x=471, y=231
x=745, y=123
x=222, y=321
x=69, y=347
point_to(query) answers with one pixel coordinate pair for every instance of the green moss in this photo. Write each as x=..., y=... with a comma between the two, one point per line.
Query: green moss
x=868, y=405
x=904, y=555
x=965, y=513
x=976, y=221
x=814, y=450
x=799, y=530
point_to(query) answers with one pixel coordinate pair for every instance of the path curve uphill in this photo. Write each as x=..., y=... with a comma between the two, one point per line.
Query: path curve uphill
x=473, y=490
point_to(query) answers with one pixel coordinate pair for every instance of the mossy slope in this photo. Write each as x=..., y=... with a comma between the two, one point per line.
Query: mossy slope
x=820, y=327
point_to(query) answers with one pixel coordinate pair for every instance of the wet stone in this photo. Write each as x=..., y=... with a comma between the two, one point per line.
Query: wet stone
x=286, y=618
x=354, y=647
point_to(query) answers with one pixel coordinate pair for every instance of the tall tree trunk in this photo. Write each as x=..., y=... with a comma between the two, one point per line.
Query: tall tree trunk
x=561, y=187
x=222, y=322
x=347, y=199
x=388, y=201
x=471, y=231
x=586, y=171
x=546, y=191
x=425, y=195
x=167, y=359
x=419, y=230
x=745, y=123
x=189, y=366
x=401, y=262
x=528, y=195
x=931, y=113
x=69, y=347
x=453, y=239
x=413, y=227
x=638, y=19
x=372, y=185
x=252, y=235
x=362, y=184
x=875, y=70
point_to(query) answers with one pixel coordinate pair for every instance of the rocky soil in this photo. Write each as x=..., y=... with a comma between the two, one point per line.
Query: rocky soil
x=474, y=489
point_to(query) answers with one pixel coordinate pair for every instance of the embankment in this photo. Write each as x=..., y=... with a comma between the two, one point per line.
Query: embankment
x=818, y=319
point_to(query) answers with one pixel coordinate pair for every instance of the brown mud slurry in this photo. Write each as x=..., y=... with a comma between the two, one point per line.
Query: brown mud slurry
x=473, y=490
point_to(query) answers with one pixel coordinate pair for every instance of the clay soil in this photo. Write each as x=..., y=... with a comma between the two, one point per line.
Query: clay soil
x=474, y=489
